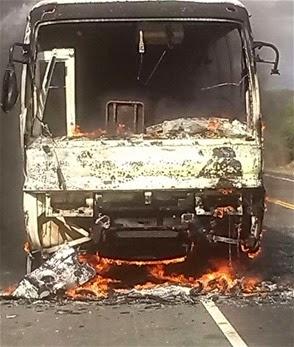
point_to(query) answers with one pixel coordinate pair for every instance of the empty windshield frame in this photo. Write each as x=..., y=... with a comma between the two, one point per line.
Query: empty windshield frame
x=241, y=28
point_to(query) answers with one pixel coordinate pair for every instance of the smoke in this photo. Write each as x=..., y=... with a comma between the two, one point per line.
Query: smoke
x=12, y=23
x=273, y=21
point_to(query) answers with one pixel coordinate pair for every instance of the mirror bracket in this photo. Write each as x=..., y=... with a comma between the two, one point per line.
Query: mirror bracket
x=258, y=45
x=25, y=53
x=10, y=90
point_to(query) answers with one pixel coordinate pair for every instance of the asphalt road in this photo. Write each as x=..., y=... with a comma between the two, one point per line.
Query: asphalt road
x=225, y=321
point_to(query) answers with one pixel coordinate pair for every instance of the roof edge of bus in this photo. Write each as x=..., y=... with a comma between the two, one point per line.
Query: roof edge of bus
x=61, y=2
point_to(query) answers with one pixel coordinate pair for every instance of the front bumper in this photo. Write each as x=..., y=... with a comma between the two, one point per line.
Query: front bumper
x=141, y=224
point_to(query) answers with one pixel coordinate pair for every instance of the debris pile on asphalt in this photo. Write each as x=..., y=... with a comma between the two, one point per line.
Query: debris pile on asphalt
x=164, y=285
x=87, y=277
x=59, y=272
x=198, y=128
x=264, y=292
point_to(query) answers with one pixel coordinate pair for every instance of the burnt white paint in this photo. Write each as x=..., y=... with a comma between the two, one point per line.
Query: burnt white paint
x=137, y=164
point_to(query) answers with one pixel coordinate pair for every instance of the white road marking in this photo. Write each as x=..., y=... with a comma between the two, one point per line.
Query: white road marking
x=224, y=325
x=280, y=178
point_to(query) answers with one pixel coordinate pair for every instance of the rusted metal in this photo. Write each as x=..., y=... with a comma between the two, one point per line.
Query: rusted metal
x=130, y=114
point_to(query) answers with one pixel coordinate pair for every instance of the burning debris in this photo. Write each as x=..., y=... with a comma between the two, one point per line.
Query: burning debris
x=61, y=271
x=160, y=279
x=101, y=286
x=78, y=132
x=164, y=286
x=199, y=128
x=90, y=277
x=180, y=128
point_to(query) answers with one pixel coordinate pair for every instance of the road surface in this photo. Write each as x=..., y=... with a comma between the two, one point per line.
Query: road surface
x=207, y=322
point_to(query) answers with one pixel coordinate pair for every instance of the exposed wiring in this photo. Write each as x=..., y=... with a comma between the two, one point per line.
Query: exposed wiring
x=155, y=67
x=233, y=84
x=140, y=67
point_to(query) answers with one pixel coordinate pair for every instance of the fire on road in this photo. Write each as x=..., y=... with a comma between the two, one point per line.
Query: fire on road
x=167, y=310
x=164, y=171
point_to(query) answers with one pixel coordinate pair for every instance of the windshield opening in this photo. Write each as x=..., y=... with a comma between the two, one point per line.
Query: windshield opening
x=132, y=76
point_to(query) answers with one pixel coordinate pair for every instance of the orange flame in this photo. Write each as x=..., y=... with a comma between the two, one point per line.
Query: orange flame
x=213, y=124
x=225, y=191
x=9, y=290
x=100, y=285
x=220, y=212
x=78, y=132
x=221, y=280
x=27, y=247
x=121, y=130
x=103, y=264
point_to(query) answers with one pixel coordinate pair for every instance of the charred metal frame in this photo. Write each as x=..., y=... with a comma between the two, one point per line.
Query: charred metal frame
x=194, y=218
x=67, y=57
x=252, y=111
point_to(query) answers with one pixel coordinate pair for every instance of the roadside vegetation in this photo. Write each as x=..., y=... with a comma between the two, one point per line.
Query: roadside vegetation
x=278, y=114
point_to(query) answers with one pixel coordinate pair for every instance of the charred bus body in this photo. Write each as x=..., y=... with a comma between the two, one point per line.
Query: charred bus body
x=141, y=127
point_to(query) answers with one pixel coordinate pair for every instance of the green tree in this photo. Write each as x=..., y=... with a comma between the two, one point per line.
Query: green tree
x=277, y=109
x=288, y=129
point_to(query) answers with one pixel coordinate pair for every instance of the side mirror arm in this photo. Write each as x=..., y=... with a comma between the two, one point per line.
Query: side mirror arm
x=259, y=45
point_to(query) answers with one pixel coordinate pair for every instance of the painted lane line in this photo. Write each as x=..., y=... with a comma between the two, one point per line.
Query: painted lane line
x=281, y=203
x=224, y=325
x=280, y=178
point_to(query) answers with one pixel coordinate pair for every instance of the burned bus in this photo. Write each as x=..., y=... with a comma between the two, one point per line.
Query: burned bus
x=140, y=127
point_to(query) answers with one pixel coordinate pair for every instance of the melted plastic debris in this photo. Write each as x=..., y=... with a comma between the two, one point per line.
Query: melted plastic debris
x=265, y=292
x=199, y=128
x=60, y=272
x=180, y=128
x=171, y=294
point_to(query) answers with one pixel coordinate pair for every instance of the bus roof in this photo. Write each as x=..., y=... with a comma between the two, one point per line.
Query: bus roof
x=48, y=2
x=78, y=11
